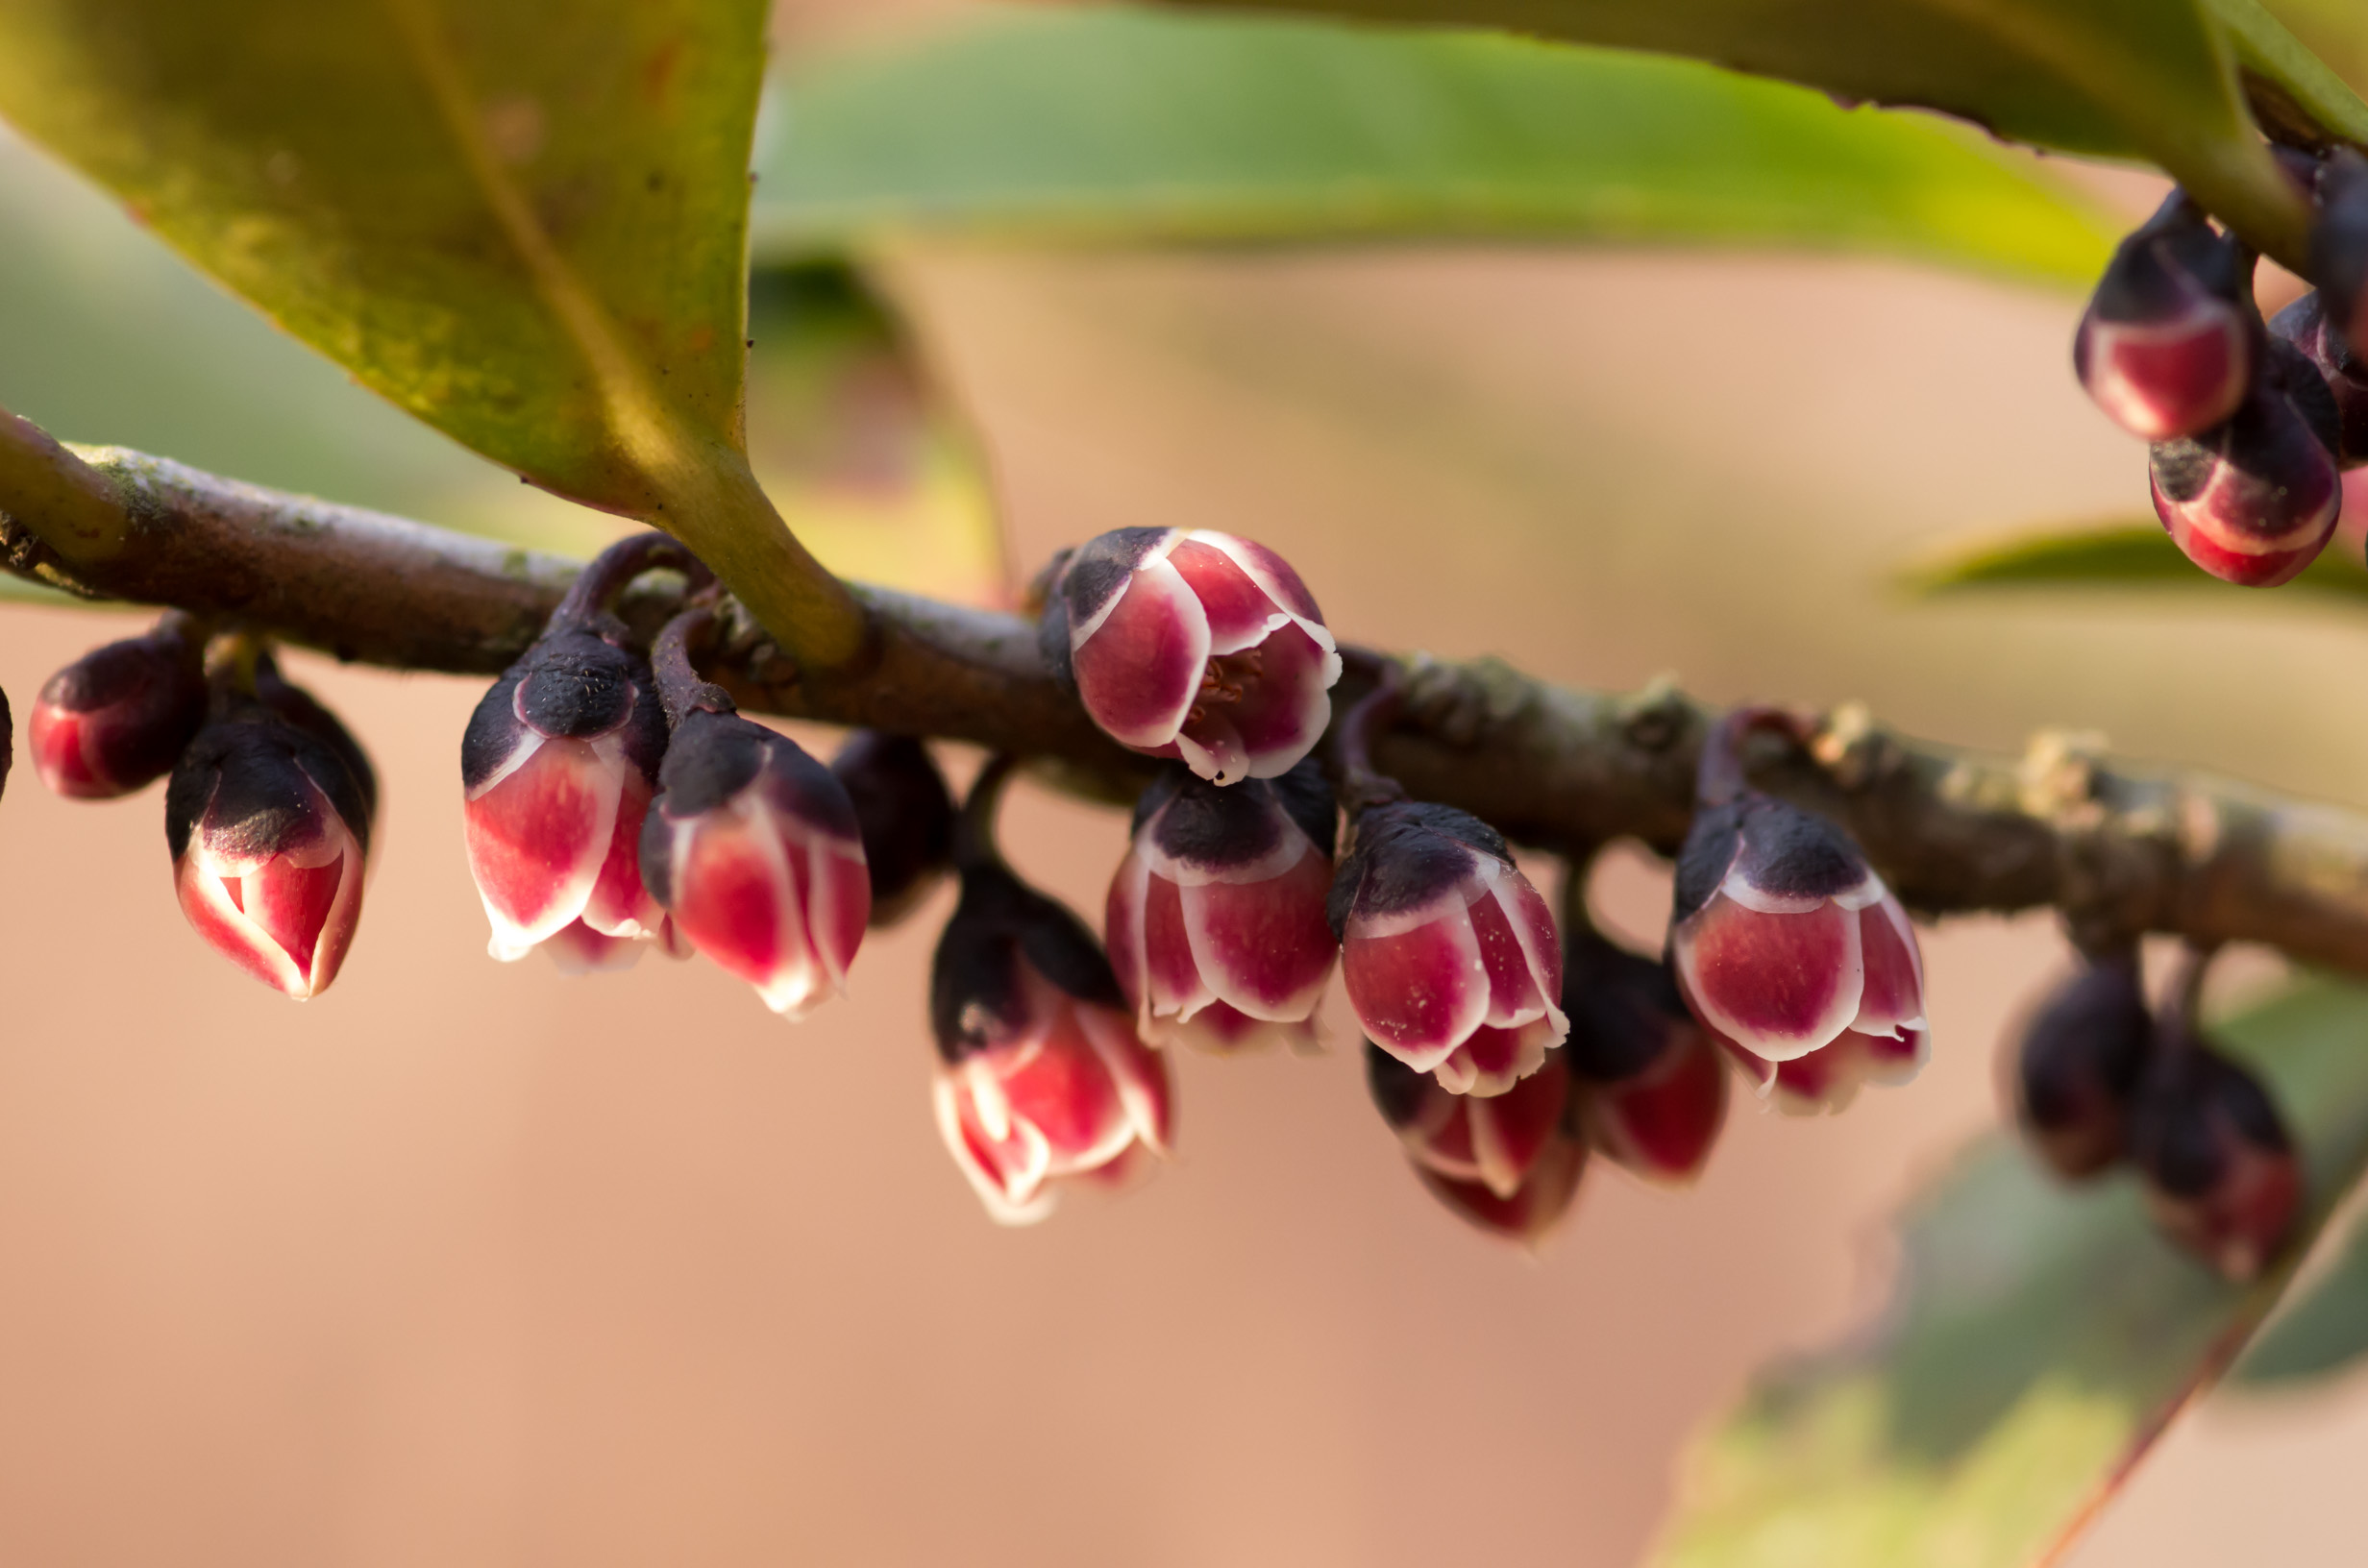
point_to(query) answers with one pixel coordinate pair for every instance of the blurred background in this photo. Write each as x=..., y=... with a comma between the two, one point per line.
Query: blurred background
x=473, y=1263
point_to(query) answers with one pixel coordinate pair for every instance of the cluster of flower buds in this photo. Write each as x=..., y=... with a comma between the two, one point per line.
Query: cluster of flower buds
x=2251, y=425
x=1787, y=947
x=2100, y=1080
x=270, y=805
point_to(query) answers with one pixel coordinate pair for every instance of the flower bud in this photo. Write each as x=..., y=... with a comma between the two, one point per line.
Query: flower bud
x=2339, y=245
x=754, y=850
x=905, y=816
x=1494, y=1141
x=2341, y=373
x=2080, y=1063
x=1215, y=918
x=1651, y=1089
x=2254, y=501
x=1449, y=955
x=559, y=762
x=2221, y=1176
x=269, y=826
x=1829, y=1078
x=2167, y=347
x=1197, y=646
x=118, y=718
x=1042, y=1077
x=1786, y=943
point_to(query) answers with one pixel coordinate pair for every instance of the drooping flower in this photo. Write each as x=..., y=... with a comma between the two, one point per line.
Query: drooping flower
x=1449, y=956
x=559, y=762
x=2170, y=343
x=2079, y=1066
x=118, y=718
x=2254, y=499
x=2220, y=1172
x=269, y=826
x=1785, y=943
x=1216, y=918
x=1495, y=1142
x=1651, y=1090
x=1041, y=1078
x=905, y=815
x=1194, y=645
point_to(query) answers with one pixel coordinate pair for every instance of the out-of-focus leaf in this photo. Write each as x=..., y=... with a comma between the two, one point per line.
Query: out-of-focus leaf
x=522, y=222
x=2037, y=1343
x=2152, y=79
x=2115, y=555
x=2323, y=1330
x=857, y=443
x=2337, y=31
x=1115, y=125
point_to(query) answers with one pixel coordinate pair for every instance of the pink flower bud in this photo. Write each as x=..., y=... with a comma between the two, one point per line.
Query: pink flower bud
x=1829, y=1078
x=269, y=825
x=2080, y=1064
x=754, y=850
x=1531, y=1214
x=1197, y=646
x=905, y=815
x=1651, y=1087
x=1216, y=918
x=2254, y=501
x=1042, y=1076
x=2169, y=342
x=559, y=762
x=2220, y=1172
x=118, y=718
x=1494, y=1141
x=1786, y=943
x=1449, y=955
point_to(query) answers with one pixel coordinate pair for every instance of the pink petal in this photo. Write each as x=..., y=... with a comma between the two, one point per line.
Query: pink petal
x=1007, y=1172
x=1825, y=1079
x=1223, y=1030
x=1778, y=985
x=1121, y=927
x=538, y=837
x=579, y=949
x=1264, y=946
x=1139, y=671
x=619, y=905
x=1893, y=1001
x=737, y=900
x=1491, y=1060
x=838, y=902
x=1139, y=1072
x=1283, y=712
x=2163, y=379
x=1238, y=611
x=1531, y=1211
x=1059, y=1085
x=1273, y=575
x=1420, y=993
x=1514, y=996
x=1512, y=1130
x=1175, y=983
x=1662, y=1122
x=1211, y=747
x=205, y=901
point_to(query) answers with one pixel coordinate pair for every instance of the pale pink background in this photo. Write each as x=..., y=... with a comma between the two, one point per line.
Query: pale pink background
x=473, y=1264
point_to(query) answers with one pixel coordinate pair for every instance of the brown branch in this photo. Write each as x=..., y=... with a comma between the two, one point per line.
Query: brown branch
x=2117, y=848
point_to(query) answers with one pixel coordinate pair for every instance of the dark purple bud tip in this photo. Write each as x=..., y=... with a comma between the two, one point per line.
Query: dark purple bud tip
x=1652, y=1087
x=2339, y=245
x=2342, y=374
x=1042, y=1076
x=118, y=718
x=1193, y=644
x=1449, y=955
x=755, y=852
x=2252, y=502
x=2081, y=1059
x=2221, y=1176
x=269, y=829
x=2168, y=344
x=905, y=816
x=1216, y=918
x=1786, y=943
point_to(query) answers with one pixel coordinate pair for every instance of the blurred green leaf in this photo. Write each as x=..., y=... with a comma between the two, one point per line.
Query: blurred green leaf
x=2037, y=1343
x=522, y=222
x=2323, y=1330
x=2114, y=556
x=2152, y=79
x=854, y=440
x=1114, y=125
x=2337, y=31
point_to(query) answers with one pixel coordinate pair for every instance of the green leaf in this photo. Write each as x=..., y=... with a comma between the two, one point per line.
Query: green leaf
x=2114, y=556
x=2037, y=1341
x=2323, y=1330
x=524, y=222
x=2152, y=79
x=1114, y=125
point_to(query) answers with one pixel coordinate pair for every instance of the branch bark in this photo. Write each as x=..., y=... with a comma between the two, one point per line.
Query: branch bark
x=2117, y=848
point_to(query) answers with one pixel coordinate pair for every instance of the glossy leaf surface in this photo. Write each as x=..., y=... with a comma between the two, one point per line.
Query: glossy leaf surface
x=1124, y=126
x=2035, y=1345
